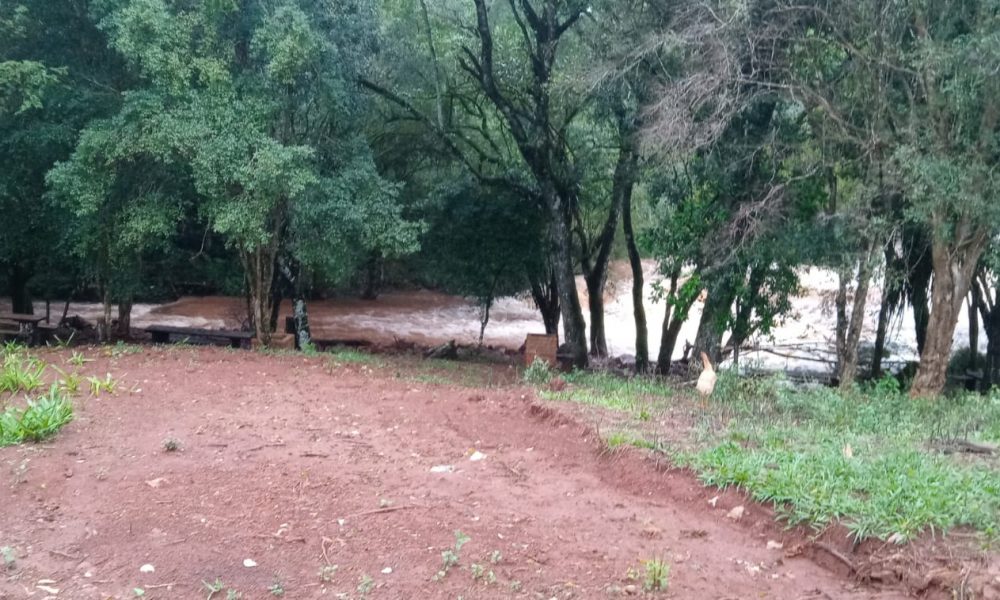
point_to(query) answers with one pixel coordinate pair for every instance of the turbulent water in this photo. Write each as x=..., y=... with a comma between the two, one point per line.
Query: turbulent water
x=803, y=340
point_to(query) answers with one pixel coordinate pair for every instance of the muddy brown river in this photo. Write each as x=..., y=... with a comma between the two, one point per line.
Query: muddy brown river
x=426, y=317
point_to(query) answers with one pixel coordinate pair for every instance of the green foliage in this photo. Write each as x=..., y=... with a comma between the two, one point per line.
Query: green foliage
x=39, y=420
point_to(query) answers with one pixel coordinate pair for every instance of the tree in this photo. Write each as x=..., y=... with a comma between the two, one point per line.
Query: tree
x=471, y=242
x=55, y=75
x=257, y=102
x=529, y=112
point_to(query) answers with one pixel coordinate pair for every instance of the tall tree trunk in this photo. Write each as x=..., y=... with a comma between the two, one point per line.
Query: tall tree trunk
x=596, y=273
x=124, y=329
x=638, y=308
x=847, y=355
x=104, y=323
x=303, y=334
x=890, y=290
x=973, y=337
x=574, y=326
x=919, y=267
x=20, y=296
x=954, y=264
x=670, y=329
x=991, y=371
x=259, y=266
x=546, y=299
x=595, y=304
x=715, y=312
x=841, y=310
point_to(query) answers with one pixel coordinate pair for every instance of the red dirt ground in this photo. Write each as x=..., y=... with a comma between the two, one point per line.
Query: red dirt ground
x=297, y=464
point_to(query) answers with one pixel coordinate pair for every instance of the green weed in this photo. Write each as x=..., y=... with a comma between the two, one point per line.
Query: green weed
x=451, y=556
x=21, y=373
x=365, y=584
x=98, y=385
x=657, y=575
x=217, y=587
x=61, y=343
x=41, y=419
x=538, y=372
x=327, y=573
x=77, y=359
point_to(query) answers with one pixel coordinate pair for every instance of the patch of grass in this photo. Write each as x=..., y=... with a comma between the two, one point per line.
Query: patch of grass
x=636, y=396
x=865, y=457
x=619, y=439
x=120, y=349
x=9, y=557
x=41, y=419
x=277, y=588
x=354, y=357
x=615, y=385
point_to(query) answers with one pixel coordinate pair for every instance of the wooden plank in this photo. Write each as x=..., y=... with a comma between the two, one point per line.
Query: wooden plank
x=191, y=331
x=19, y=318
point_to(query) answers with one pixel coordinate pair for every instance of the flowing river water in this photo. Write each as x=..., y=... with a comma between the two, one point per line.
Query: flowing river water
x=803, y=340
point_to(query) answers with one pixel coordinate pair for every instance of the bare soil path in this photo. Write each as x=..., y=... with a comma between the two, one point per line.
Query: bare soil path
x=298, y=466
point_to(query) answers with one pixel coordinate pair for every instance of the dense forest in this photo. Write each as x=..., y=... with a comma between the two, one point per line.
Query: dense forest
x=284, y=149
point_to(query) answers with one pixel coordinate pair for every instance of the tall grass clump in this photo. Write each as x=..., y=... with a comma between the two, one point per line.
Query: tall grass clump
x=39, y=420
x=20, y=373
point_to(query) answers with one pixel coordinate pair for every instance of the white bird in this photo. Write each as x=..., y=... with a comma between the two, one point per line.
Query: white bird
x=706, y=381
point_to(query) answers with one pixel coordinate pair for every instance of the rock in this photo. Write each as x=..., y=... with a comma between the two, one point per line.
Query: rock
x=387, y=571
x=147, y=568
x=249, y=563
x=477, y=456
x=442, y=469
x=737, y=513
x=713, y=501
x=631, y=590
x=774, y=545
